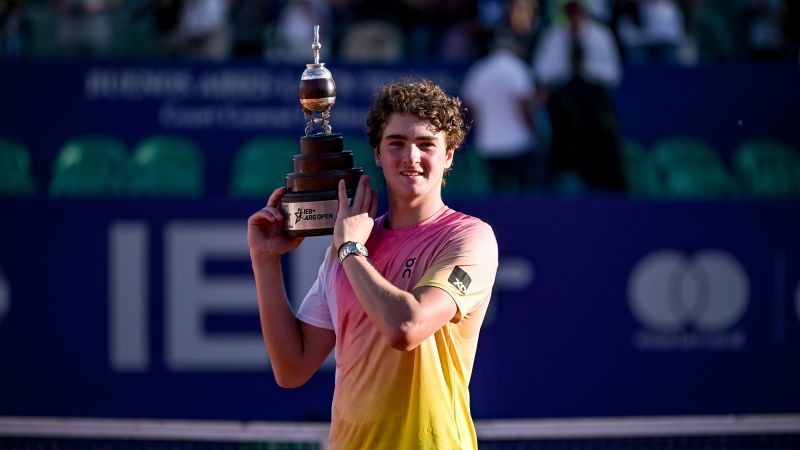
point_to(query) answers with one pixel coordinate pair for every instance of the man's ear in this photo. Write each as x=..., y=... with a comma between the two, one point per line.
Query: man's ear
x=377, y=153
x=448, y=158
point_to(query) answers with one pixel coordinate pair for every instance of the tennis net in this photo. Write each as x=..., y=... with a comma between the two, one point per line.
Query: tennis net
x=769, y=432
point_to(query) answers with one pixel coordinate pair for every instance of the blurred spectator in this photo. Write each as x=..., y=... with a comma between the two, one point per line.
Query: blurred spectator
x=374, y=41
x=551, y=61
x=437, y=30
x=164, y=16
x=491, y=13
x=711, y=27
x=653, y=33
x=791, y=28
x=83, y=27
x=524, y=22
x=498, y=90
x=461, y=43
x=294, y=31
x=342, y=13
x=601, y=10
x=203, y=31
x=584, y=121
x=764, y=22
x=470, y=33
x=250, y=19
x=423, y=27
x=14, y=29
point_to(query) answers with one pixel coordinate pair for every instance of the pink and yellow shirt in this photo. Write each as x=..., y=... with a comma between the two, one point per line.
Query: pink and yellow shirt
x=390, y=399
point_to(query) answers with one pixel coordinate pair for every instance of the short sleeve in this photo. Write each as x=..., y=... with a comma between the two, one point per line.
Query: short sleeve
x=314, y=309
x=466, y=267
x=522, y=81
x=548, y=61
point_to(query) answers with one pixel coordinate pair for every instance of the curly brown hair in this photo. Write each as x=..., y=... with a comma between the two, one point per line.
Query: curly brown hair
x=424, y=99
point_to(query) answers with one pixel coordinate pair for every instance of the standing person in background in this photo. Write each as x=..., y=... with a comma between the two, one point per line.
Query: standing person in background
x=249, y=20
x=763, y=23
x=500, y=92
x=295, y=17
x=203, y=31
x=525, y=24
x=552, y=60
x=15, y=29
x=585, y=125
x=654, y=34
x=402, y=297
x=83, y=27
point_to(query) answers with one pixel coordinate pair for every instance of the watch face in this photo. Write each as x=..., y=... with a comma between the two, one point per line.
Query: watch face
x=353, y=247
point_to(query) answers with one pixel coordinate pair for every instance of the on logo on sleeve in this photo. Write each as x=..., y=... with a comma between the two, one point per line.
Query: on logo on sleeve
x=460, y=280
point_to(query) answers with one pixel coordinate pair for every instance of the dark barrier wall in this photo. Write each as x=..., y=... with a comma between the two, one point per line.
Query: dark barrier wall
x=220, y=106
x=601, y=307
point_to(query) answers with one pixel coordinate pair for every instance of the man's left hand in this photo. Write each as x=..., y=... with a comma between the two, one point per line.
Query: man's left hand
x=354, y=222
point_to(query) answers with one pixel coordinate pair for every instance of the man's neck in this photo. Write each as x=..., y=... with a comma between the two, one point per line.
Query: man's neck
x=402, y=214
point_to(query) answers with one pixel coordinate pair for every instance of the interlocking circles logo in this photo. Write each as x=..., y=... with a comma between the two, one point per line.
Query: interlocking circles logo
x=688, y=302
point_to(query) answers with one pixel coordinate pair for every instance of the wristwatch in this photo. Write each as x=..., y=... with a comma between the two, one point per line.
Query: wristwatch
x=351, y=247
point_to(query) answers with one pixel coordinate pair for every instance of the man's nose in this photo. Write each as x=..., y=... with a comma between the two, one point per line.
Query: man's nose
x=411, y=154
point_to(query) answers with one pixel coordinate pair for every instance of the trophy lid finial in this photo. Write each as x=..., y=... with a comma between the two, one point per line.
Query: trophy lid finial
x=315, y=46
x=317, y=90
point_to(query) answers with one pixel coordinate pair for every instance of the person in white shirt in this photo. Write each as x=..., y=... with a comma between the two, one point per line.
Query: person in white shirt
x=552, y=58
x=658, y=36
x=499, y=91
x=203, y=30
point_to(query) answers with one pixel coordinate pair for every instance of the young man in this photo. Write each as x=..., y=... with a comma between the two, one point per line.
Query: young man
x=402, y=296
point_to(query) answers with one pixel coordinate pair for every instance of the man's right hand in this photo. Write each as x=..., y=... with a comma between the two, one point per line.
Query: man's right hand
x=265, y=234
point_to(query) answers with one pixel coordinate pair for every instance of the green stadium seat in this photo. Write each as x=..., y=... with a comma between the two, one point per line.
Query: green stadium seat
x=261, y=166
x=767, y=168
x=683, y=150
x=688, y=167
x=89, y=166
x=165, y=166
x=15, y=169
x=639, y=170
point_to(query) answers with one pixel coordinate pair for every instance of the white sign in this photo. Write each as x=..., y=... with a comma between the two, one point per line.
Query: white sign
x=190, y=295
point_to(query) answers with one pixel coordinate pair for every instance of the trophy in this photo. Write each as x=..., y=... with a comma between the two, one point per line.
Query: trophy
x=311, y=200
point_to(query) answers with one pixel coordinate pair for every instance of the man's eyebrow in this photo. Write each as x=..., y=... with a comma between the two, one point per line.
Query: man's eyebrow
x=404, y=137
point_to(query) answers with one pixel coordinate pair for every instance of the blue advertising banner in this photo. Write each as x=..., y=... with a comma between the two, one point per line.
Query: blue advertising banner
x=602, y=307
x=220, y=106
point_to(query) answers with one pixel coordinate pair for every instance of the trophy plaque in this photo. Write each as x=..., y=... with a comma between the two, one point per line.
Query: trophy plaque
x=311, y=201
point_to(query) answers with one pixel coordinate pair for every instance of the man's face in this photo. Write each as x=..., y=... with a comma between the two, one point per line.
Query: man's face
x=413, y=158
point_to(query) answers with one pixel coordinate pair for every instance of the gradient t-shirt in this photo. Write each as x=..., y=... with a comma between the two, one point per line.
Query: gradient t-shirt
x=390, y=399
